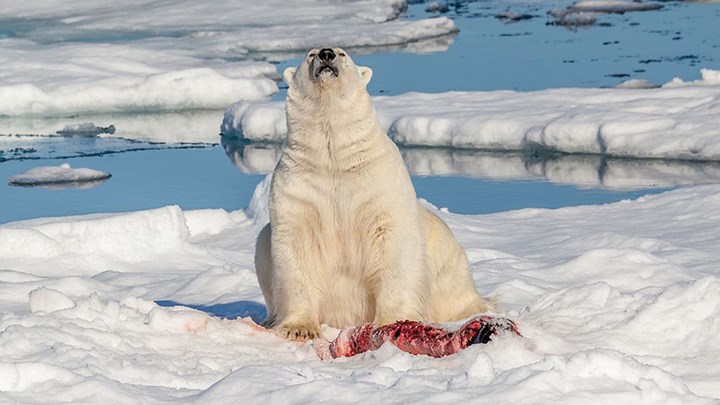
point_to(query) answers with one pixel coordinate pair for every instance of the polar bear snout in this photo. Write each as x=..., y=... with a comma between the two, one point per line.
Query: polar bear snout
x=326, y=55
x=325, y=63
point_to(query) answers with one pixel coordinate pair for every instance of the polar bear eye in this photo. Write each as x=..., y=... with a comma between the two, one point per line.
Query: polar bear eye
x=312, y=55
x=341, y=54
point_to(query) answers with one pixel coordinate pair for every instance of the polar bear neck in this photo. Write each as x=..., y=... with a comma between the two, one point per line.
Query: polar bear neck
x=335, y=132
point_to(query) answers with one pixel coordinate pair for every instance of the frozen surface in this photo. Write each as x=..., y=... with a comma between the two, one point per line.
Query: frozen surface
x=677, y=121
x=148, y=56
x=169, y=127
x=616, y=303
x=57, y=175
x=585, y=12
x=72, y=78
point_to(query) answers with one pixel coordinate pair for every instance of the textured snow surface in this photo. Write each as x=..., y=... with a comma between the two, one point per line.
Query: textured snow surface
x=51, y=80
x=147, y=55
x=681, y=120
x=57, y=174
x=586, y=12
x=618, y=303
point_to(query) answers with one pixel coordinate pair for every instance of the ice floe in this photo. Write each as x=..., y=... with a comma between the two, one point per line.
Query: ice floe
x=57, y=80
x=145, y=56
x=680, y=120
x=55, y=175
x=586, y=12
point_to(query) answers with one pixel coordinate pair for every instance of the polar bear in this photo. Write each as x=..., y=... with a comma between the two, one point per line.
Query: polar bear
x=348, y=242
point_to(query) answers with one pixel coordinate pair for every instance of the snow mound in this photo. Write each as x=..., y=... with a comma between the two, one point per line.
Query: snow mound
x=677, y=121
x=57, y=175
x=636, y=84
x=93, y=243
x=48, y=300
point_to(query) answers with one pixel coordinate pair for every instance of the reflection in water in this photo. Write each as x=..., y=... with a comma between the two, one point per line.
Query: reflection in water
x=579, y=170
x=64, y=185
x=252, y=158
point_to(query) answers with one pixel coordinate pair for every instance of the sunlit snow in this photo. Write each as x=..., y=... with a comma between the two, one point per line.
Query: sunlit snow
x=618, y=301
x=149, y=56
x=678, y=121
x=48, y=175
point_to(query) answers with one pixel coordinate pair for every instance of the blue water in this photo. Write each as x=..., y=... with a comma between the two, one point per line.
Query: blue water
x=190, y=178
x=206, y=178
x=486, y=55
x=465, y=195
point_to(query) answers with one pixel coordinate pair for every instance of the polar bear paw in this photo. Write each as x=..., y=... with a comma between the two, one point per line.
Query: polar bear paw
x=299, y=331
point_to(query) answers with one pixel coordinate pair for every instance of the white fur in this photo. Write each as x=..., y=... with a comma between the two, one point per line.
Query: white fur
x=347, y=241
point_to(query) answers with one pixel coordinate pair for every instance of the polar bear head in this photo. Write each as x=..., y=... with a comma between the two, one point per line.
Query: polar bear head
x=326, y=72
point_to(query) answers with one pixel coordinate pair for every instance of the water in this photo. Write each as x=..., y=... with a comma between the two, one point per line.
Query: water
x=206, y=178
x=489, y=54
x=486, y=55
x=190, y=178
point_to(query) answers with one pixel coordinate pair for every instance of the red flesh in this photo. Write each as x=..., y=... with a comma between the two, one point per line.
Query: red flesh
x=415, y=337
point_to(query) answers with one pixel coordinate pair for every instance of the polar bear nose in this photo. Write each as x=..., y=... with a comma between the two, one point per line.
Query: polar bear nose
x=326, y=55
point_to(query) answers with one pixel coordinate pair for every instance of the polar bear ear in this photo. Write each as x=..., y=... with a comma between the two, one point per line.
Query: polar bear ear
x=365, y=74
x=289, y=75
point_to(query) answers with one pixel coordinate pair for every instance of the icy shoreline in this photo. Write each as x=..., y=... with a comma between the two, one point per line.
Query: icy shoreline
x=677, y=121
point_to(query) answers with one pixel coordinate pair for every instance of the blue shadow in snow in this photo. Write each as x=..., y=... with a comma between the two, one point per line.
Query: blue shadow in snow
x=231, y=310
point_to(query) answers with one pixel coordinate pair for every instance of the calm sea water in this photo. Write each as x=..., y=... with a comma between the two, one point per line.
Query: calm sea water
x=206, y=178
x=487, y=54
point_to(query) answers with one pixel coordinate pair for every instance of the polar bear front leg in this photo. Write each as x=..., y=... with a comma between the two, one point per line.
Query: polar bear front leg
x=295, y=292
x=401, y=281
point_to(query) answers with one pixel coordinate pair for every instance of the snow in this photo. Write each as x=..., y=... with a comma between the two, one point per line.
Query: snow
x=636, y=84
x=150, y=56
x=169, y=127
x=231, y=28
x=585, y=12
x=615, y=302
x=614, y=6
x=57, y=175
x=677, y=121
x=53, y=80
